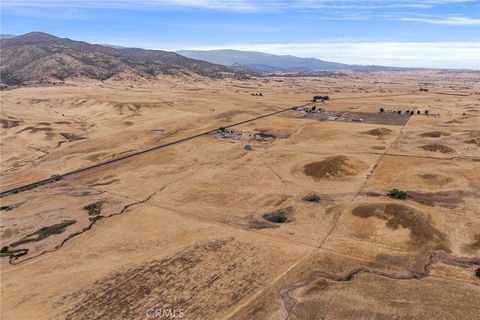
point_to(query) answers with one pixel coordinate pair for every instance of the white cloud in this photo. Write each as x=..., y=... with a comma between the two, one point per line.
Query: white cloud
x=460, y=55
x=304, y=9
x=459, y=21
x=242, y=5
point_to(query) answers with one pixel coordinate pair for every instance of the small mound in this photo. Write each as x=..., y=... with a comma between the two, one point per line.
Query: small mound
x=437, y=148
x=333, y=167
x=434, y=134
x=379, y=132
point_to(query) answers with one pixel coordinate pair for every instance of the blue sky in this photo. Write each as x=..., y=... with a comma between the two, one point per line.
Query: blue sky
x=429, y=33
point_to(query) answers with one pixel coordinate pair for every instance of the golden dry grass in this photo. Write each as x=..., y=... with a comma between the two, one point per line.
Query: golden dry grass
x=185, y=225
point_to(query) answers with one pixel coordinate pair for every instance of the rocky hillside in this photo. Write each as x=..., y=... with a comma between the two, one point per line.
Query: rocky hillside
x=39, y=57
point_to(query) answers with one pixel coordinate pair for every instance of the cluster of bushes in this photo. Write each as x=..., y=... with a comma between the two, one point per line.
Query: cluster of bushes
x=397, y=194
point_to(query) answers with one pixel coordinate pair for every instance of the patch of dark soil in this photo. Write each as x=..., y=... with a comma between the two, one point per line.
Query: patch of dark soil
x=202, y=280
x=6, y=123
x=71, y=136
x=449, y=199
x=11, y=206
x=436, y=178
x=94, y=209
x=44, y=232
x=373, y=194
x=436, y=147
x=311, y=197
x=62, y=122
x=379, y=147
x=128, y=123
x=332, y=167
x=379, y=132
x=422, y=232
x=278, y=216
x=434, y=134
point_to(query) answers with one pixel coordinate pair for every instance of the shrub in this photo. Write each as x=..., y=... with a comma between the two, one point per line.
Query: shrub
x=382, y=110
x=321, y=98
x=397, y=194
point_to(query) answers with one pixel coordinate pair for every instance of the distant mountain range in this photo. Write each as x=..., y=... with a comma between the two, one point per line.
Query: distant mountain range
x=6, y=36
x=41, y=57
x=269, y=63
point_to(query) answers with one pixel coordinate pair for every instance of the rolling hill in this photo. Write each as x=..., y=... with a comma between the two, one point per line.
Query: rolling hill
x=260, y=62
x=40, y=57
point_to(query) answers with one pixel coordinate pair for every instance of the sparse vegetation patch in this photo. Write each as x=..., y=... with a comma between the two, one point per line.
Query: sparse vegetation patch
x=94, y=209
x=434, y=134
x=438, y=148
x=397, y=194
x=379, y=132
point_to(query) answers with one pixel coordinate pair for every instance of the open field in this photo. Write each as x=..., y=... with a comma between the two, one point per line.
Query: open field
x=284, y=216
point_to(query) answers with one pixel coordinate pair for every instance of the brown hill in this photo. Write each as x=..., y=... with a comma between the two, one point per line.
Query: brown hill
x=39, y=57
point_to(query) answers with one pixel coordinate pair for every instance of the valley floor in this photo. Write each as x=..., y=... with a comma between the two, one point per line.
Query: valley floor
x=184, y=229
